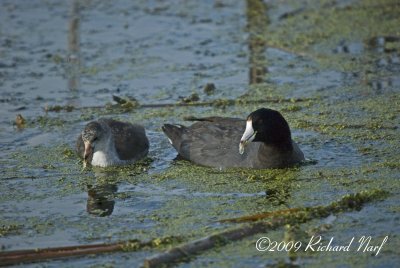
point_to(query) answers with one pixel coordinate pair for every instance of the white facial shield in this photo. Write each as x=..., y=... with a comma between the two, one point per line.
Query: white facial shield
x=247, y=137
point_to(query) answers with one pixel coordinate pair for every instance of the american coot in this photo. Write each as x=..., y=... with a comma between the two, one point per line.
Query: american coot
x=108, y=142
x=213, y=141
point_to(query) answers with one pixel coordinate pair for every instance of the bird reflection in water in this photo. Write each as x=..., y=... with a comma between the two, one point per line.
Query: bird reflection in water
x=101, y=199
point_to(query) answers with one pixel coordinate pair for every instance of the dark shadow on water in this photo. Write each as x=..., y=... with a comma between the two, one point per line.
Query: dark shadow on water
x=73, y=58
x=257, y=21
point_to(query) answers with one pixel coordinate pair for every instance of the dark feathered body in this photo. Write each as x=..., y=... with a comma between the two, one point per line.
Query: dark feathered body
x=130, y=140
x=214, y=142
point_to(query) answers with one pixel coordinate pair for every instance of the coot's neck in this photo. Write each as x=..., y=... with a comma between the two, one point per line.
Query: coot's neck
x=106, y=155
x=285, y=145
x=274, y=154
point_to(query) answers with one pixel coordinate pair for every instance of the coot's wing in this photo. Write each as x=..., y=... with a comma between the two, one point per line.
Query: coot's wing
x=212, y=141
x=130, y=139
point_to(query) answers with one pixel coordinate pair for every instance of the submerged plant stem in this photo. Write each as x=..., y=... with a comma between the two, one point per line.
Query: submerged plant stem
x=37, y=255
x=217, y=102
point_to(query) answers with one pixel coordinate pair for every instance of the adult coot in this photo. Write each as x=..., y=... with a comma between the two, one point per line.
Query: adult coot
x=264, y=141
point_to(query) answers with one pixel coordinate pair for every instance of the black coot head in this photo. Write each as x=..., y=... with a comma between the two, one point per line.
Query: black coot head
x=267, y=126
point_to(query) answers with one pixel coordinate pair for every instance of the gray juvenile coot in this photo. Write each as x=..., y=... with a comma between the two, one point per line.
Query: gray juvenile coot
x=108, y=142
x=213, y=141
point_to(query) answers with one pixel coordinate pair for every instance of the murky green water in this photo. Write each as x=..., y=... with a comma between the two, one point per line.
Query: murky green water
x=331, y=67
